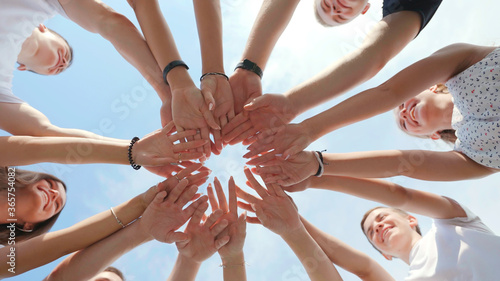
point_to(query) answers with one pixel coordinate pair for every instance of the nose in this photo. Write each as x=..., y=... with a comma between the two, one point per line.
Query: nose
x=335, y=9
x=403, y=113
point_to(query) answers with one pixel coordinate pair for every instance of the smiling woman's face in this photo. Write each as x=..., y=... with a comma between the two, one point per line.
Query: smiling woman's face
x=39, y=201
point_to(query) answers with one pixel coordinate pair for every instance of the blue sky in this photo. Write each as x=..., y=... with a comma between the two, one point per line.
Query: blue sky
x=100, y=80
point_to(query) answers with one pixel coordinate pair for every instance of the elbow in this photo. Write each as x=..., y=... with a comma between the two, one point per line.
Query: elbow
x=111, y=23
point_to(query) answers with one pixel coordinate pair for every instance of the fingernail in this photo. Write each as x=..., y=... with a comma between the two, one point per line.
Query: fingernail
x=278, y=155
x=210, y=106
x=288, y=156
x=253, y=206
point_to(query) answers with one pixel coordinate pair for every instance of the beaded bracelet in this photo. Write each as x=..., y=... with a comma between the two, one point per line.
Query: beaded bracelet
x=213, y=73
x=130, y=160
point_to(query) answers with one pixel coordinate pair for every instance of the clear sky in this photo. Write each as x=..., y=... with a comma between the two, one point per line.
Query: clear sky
x=101, y=87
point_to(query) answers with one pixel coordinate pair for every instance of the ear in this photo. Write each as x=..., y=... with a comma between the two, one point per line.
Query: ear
x=413, y=221
x=387, y=257
x=433, y=88
x=22, y=67
x=42, y=28
x=435, y=136
x=28, y=227
x=365, y=9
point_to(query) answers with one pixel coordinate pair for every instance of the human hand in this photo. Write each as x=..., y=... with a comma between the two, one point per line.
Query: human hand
x=166, y=113
x=301, y=186
x=246, y=86
x=217, y=87
x=275, y=210
x=295, y=169
x=190, y=111
x=165, y=214
x=283, y=142
x=203, y=241
x=158, y=148
x=264, y=112
x=237, y=225
x=172, y=180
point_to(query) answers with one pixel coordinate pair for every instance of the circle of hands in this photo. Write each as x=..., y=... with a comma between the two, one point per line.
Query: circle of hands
x=232, y=111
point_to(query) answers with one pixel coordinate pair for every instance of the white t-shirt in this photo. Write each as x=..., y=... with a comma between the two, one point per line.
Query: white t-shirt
x=458, y=249
x=18, y=18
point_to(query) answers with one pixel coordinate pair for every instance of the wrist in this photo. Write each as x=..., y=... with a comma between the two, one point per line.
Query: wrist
x=179, y=78
x=235, y=258
x=249, y=67
x=311, y=128
x=187, y=262
x=312, y=163
x=296, y=235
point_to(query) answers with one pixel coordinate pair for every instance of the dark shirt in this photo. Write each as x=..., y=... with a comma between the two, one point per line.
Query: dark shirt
x=426, y=8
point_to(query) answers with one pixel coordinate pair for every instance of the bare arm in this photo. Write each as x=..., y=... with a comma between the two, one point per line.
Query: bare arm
x=48, y=247
x=97, y=17
x=22, y=119
x=343, y=255
x=386, y=39
x=418, y=164
x=394, y=195
x=421, y=75
x=88, y=262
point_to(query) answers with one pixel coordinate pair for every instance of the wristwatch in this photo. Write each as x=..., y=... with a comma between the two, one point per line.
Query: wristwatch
x=250, y=66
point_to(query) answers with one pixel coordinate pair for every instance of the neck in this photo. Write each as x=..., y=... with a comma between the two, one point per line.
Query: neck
x=405, y=254
x=445, y=106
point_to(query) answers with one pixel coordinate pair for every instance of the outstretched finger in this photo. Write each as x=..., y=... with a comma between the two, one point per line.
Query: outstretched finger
x=186, y=196
x=246, y=196
x=253, y=220
x=198, y=215
x=233, y=208
x=183, y=146
x=231, y=135
x=221, y=195
x=208, y=86
x=211, y=197
x=258, y=149
x=217, y=141
x=255, y=185
x=234, y=123
x=263, y=159
x=189, y=211
x=219, y=243
x=268, y=170
x=209, y=118
x=248, y=133
x=219, y=227
x=168, y=127
x=245, y=206
x=205, y=134
x=181, y=135
x=180, y=129
x=177, y=191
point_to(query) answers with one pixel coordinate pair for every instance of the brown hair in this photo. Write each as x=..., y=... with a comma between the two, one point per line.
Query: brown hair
x=115, y=271
x=399, y=211
x=22, y=180
x=447, y=135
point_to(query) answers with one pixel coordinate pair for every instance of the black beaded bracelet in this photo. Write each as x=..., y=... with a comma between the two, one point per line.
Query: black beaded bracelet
x=130, y=160
x=213, y=73
x=171, y=66
x=250, y=66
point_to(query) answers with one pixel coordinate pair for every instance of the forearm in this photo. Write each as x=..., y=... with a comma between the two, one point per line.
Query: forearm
x=22, y=150
x=345, y=256
x=88, y=262
x=48, y=247
x=161, y=41
x=362, y=106
x=270, y=23
x=234, y=268
x=209, y=22
x=310, y=253
x=384, y=41
x=418, y=164
x=184, y=269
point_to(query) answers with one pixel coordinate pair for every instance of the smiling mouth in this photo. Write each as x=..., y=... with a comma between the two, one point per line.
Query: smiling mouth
x=384, y=233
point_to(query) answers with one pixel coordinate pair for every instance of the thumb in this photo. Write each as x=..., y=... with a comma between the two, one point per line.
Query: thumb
x=207, y=86
x=219, y=243
x=177, y=237
x=256, y=103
